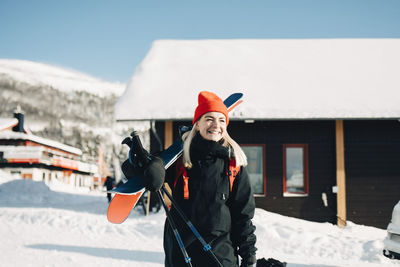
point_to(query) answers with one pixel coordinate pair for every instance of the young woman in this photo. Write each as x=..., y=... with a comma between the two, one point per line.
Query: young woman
x=220, y=211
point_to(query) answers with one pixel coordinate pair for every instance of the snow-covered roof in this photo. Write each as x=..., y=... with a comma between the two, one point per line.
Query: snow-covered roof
x=280, y=78
x=10, y=135
x=6, y=123
x=60, y=78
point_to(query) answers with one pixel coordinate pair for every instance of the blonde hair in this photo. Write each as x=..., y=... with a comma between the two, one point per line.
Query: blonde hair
x=240, y=157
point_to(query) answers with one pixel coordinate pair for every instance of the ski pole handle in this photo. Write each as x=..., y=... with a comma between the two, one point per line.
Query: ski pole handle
x=137, y=148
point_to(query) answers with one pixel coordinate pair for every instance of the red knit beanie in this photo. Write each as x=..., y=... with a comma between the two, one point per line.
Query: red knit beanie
x=209, y=102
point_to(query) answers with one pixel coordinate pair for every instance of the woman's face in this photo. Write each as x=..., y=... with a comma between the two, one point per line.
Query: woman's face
x=212, y=126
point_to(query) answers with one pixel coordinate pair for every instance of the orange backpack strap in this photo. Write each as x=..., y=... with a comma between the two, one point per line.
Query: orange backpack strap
x=185, y=185
x=233, y=172
x=181, y=171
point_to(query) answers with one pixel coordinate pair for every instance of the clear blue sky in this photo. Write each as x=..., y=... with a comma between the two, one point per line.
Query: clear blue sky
x=108, y=39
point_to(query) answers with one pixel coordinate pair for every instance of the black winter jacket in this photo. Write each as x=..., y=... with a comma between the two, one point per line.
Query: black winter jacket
x=223, y=218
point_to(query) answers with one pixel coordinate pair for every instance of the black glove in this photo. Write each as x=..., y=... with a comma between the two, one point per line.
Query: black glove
x=141, y=163
x=270, y=263
x=130, y=170
x=154, y=174
x=250, y=261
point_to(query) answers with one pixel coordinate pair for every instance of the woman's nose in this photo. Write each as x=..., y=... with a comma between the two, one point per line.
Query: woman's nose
x=215, y=124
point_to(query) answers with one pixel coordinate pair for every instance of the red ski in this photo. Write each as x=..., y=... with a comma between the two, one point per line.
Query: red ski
x=121, y=206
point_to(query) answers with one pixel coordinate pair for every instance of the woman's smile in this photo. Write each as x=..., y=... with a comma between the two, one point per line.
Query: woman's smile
x=212, y=126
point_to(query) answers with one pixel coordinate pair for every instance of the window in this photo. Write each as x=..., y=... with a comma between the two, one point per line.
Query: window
x=295, y=170
x=255, y=167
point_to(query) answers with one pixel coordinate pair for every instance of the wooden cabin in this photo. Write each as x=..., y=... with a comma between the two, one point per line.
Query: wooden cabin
x=319, y=122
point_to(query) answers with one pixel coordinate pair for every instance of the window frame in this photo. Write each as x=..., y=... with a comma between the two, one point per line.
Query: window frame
x=264, y=165
x=306, y=191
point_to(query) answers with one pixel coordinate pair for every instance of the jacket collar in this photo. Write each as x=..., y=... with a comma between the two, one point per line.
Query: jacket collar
x=202, y=149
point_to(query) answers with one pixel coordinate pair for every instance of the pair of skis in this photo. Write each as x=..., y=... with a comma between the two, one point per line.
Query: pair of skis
x=127, y=195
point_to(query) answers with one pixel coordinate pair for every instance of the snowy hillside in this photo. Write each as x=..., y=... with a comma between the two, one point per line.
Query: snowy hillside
x=65, y=106
x=39, y=74
x=42, y=226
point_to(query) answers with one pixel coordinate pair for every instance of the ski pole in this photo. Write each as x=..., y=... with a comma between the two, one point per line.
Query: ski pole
x=175, y=230
x=206, y=247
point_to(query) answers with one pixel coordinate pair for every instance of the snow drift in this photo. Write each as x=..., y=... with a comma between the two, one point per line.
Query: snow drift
x=54, y=225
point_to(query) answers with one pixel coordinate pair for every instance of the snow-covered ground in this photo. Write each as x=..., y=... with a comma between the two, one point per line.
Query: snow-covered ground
x=59, y=226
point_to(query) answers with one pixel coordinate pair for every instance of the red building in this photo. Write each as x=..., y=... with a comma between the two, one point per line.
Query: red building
x=32, y=157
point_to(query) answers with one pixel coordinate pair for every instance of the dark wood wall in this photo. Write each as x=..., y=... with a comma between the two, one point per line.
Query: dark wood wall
x=372, y=158
x=372, y=162
x=320, y=137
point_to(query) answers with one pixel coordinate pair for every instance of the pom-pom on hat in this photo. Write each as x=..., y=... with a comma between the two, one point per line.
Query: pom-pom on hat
x=209, y=102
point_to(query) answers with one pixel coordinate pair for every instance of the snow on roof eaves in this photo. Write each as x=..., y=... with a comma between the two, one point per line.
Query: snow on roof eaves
x=10, y=135
x=280, y=79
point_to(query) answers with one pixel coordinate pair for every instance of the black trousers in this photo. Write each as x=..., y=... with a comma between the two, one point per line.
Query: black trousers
x=221, y=246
